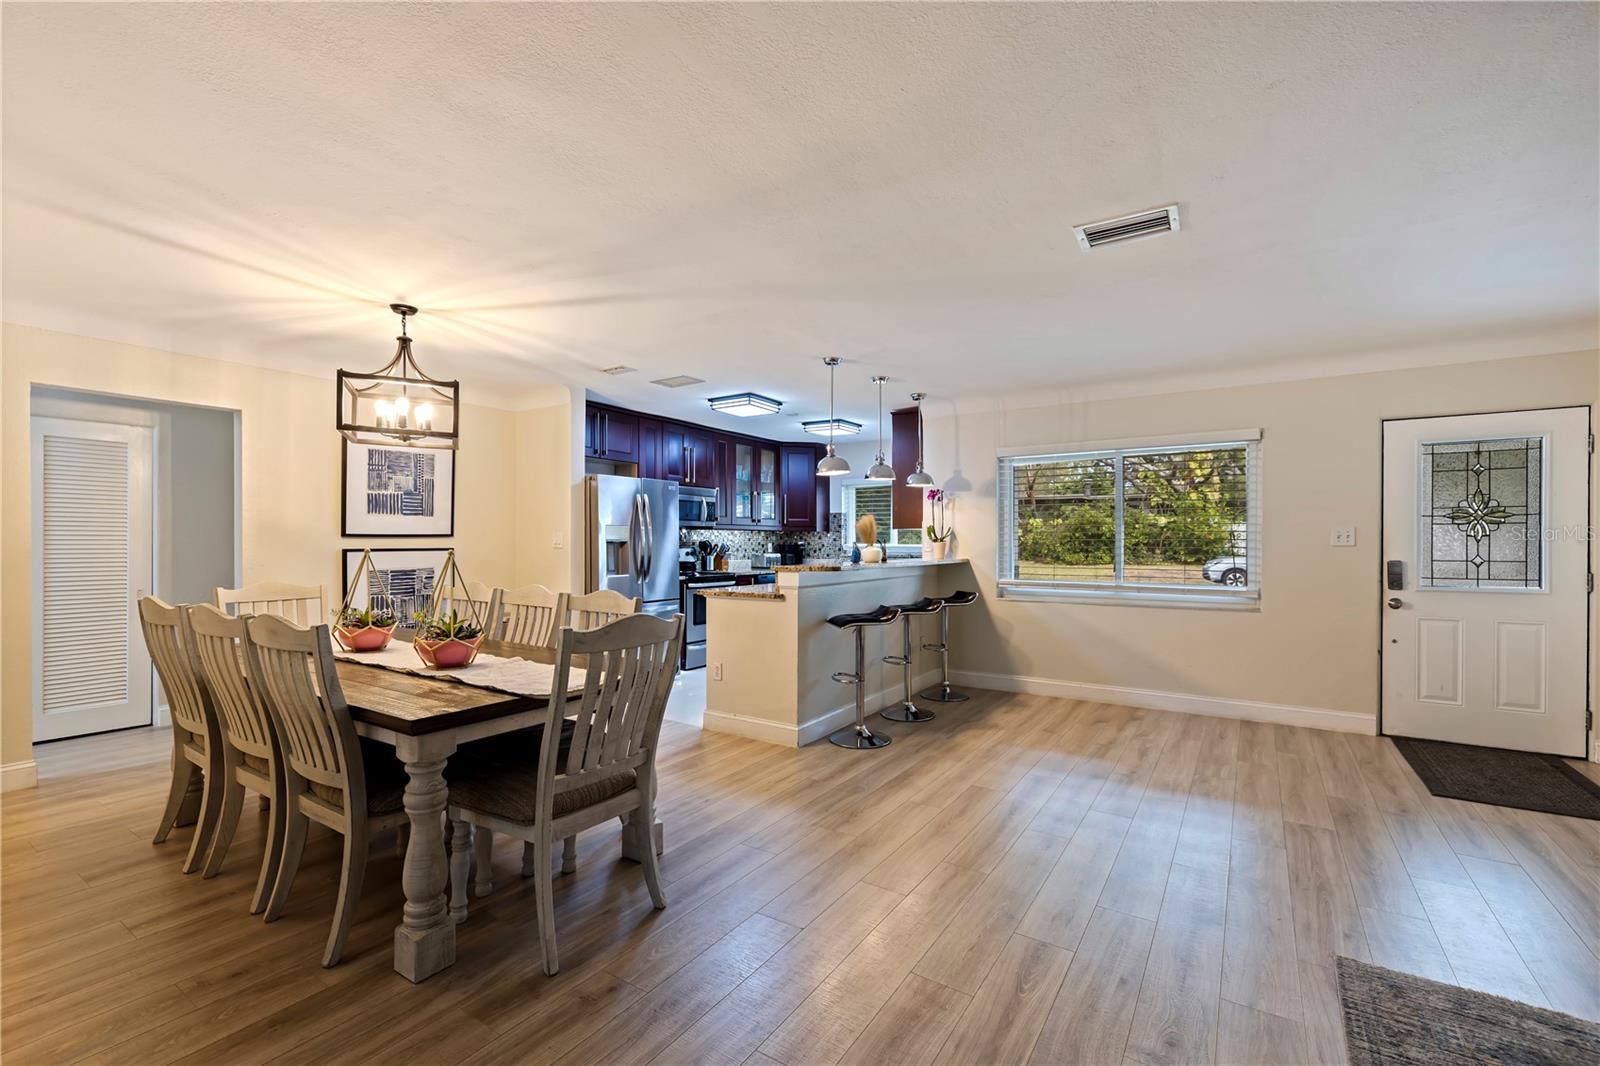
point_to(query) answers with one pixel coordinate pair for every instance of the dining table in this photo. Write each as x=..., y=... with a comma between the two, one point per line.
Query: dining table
x=425, y=717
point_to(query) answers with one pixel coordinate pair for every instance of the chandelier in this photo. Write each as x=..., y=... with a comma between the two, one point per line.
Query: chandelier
x=398, y=404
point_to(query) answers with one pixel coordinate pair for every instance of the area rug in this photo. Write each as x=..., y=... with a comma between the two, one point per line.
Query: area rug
x=1502, y=778
x=1396, y=1018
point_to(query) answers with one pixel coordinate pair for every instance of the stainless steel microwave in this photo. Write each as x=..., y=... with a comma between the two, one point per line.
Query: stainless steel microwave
x=697, y=508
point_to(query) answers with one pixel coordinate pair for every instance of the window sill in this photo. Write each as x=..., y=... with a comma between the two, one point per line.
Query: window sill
x=1199, y=601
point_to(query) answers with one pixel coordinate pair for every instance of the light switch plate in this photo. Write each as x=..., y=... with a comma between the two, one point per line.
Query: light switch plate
x=1343, y=537
x=557, y=541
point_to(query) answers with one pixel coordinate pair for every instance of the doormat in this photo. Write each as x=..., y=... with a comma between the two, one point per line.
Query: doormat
x=1502, y=778
x=1397, y=1018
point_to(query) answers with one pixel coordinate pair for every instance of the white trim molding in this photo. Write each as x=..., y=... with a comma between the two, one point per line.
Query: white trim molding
x=1181, y=702
x=15, y=776
x=814, y=729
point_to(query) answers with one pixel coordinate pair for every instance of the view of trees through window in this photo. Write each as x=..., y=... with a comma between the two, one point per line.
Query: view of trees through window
x=1183, y=515
x=877, y=500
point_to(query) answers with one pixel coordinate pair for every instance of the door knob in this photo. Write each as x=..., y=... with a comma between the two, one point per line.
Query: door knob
x=1394, y=603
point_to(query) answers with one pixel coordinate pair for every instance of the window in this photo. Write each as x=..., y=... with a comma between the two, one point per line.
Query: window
x=1170, y=522
x=876, y=499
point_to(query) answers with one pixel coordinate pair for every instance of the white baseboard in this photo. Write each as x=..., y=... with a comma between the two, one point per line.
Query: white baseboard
x=1151, y=699
x=815, y=728
x=18, y=775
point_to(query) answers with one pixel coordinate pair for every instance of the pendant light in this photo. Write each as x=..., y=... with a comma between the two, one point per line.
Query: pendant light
x=831, y=465
x=919, y=478
x=880, y=470
x=398, y=405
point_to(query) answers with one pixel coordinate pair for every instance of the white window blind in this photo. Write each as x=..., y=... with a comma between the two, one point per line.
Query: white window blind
x=85, y=563
x=1168, y=521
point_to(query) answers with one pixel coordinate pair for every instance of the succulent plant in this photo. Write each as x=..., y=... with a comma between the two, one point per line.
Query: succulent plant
x=355, y=618
x=451, y=627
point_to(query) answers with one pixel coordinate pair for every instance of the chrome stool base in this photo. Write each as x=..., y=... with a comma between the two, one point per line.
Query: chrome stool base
x=906, y=712
x=945, y=694
x=858, y=736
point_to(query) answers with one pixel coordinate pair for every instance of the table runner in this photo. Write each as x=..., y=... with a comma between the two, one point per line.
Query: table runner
x=518, y=677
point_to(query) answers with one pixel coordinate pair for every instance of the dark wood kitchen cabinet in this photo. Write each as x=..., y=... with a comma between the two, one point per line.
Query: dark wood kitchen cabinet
x=612, y=435
x=674, y=452
x=803, y=503
x=650, y=447
x=702, y=465
x=752, y=485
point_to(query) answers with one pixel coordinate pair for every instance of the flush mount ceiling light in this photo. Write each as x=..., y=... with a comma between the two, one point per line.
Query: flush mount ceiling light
x=880, y=470
x=919, y=478
x=745, y=404
x=398, y=404
x=828, y=427
x=831, y=465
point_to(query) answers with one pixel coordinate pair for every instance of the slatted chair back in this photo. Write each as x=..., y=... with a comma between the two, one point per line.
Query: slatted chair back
x=532, y=615
x=220, y=650
x=617, y=719
x=600, y=608
x=304, y=605
x=292, y=668
x=471, y=599
x=171, y=650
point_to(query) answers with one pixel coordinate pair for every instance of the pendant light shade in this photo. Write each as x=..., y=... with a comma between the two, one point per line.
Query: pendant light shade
x=831, y=465
x=398, y=405
x=919, y=478
x=880, y=469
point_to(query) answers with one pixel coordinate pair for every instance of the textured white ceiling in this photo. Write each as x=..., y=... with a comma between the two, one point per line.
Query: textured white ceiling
x=733, y=191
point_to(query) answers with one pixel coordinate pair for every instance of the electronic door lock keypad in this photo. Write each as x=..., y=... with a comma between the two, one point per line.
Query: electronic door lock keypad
x=1395, y=575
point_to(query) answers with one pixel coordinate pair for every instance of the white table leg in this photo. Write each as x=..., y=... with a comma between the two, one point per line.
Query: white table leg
x=461, y=836
x=425, y=939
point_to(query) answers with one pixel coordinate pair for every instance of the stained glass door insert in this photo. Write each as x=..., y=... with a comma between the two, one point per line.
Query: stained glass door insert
x=1481, y=514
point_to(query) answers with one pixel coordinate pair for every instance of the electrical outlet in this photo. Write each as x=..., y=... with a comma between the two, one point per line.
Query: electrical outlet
x=1343, y=537
x=716, y=671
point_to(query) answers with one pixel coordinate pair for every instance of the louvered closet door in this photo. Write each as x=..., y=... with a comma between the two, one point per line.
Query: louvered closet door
x=91, y=563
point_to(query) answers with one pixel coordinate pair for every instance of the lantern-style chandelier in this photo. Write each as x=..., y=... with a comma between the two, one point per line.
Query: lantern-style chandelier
x=399, y=404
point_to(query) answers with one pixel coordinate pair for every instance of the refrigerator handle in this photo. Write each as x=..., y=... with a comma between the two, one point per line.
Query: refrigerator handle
x=649, y=537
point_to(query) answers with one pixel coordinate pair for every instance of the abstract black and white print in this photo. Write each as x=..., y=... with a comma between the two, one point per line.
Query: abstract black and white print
x=401, y=579
x=399, y=482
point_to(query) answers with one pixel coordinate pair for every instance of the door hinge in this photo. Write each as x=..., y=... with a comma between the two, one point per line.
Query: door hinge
x=1591, y=582
x=1591, y=443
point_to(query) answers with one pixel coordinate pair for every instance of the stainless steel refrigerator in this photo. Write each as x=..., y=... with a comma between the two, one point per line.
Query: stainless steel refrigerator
x=631, y=539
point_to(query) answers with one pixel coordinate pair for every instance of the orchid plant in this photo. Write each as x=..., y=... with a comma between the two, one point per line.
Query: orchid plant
x=939, y=529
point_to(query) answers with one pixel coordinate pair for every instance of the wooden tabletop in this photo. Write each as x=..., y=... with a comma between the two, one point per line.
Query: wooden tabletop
x=414, y=705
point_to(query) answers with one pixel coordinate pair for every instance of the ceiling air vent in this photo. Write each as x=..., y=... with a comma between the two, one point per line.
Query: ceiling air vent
x=619, y=369
x=677, y=381
x=1128, y=227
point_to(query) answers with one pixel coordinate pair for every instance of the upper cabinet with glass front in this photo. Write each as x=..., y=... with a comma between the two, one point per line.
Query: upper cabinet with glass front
x=753, y=484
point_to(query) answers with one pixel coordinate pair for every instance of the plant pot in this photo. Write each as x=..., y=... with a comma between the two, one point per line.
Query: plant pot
x=363, y=638
x=447, y=654
x=940, y=547
x=871, y=553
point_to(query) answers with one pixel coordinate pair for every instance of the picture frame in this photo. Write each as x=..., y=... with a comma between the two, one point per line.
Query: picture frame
x=397, y=492
x=410, y=574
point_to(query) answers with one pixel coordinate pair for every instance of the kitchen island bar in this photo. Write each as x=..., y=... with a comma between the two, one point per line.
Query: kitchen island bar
x=771, y=655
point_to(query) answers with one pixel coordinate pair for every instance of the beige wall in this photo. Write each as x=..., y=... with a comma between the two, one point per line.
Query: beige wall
x=549, y=465
x=1313, y=642
x=290, y=489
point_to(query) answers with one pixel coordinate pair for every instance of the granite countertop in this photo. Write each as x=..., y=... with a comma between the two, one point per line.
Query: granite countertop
x=745, y=592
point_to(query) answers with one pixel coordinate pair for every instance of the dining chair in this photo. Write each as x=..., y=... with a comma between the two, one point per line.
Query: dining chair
x=607, y=771
x=196, y=735
x=251, y=756
x=599, y=608
x=329, y=777
x=301, y=604
x=531, y=616
x=471, y=599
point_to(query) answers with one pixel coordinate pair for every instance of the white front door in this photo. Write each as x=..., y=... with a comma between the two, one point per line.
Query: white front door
x=92, y=517
x=1485, y=585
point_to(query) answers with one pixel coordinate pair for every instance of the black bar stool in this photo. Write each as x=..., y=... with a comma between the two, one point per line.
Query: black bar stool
x=907, y=711
x=942, y=692
x=858, y=735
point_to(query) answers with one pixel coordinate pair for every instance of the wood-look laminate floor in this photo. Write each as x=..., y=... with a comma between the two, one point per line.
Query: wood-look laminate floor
x=1023, y=880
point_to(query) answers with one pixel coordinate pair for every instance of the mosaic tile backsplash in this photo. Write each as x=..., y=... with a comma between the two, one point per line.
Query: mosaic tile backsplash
x=744, y=543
